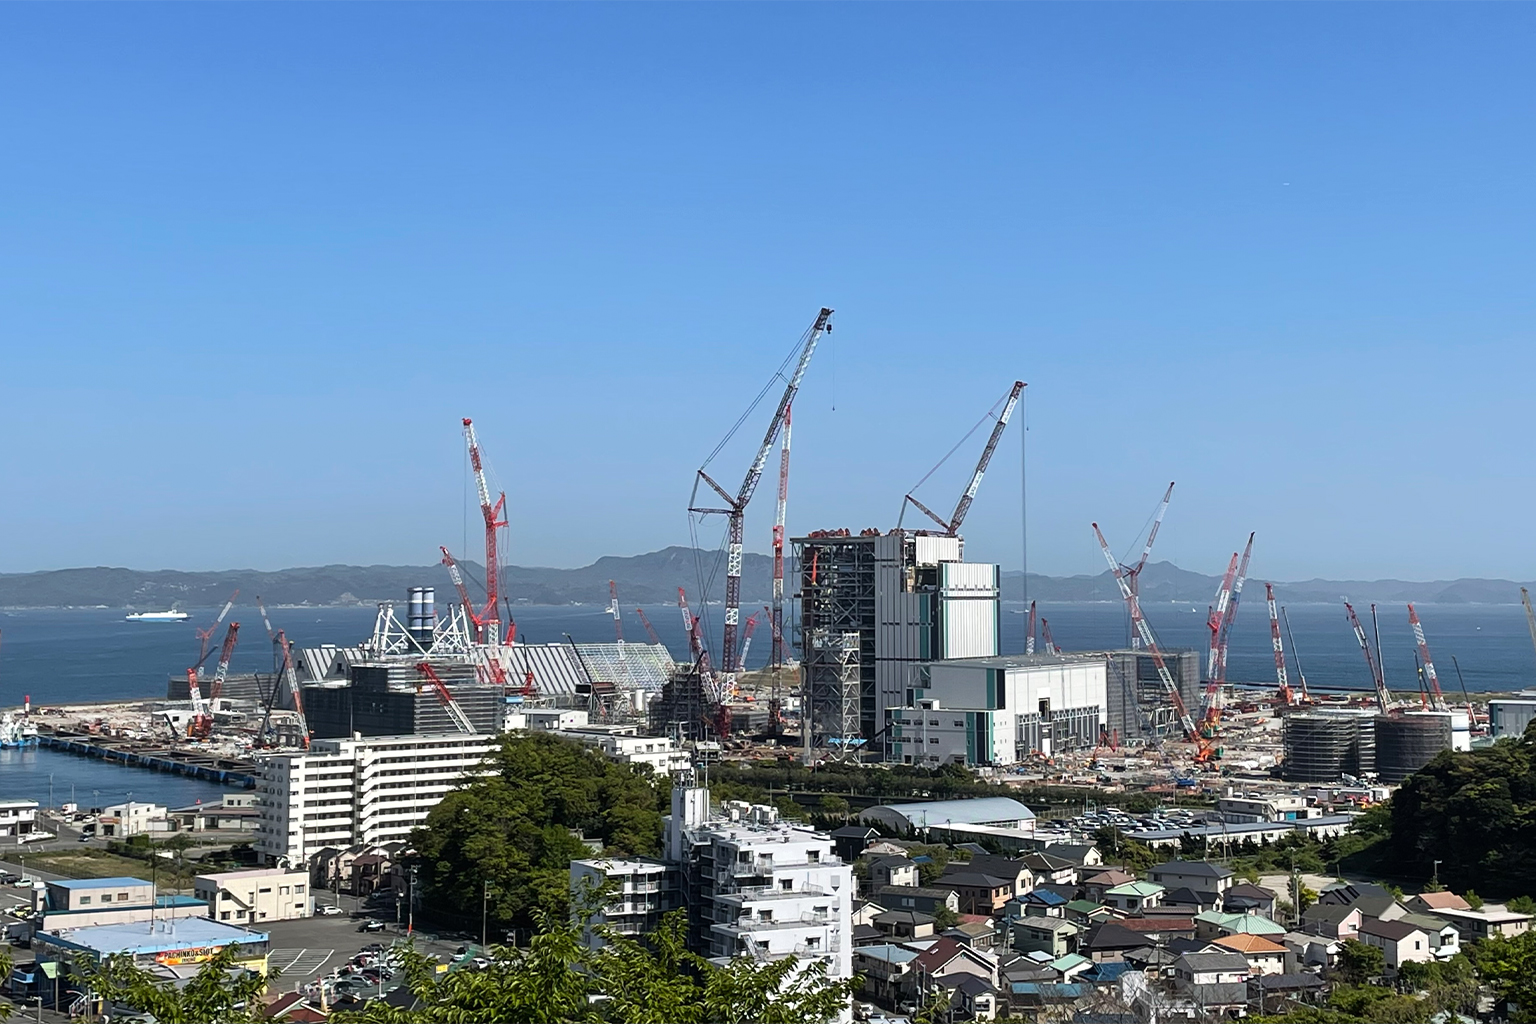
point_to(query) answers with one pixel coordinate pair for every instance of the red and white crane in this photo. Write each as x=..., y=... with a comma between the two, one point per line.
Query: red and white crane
x=736, y=504
x=1282, y=681
x=205, y=635
x=488, y=623
x=613, y=609
x=1045, y=634
x=951, y=526
x=650, y=630
x=202, y=719
x=1029, y=636
x=746, y=637
x=1133, y=602
x=1221, y=626
x=1301, y=672
x=457, y=576
x=1437, y=699
x=1383, y=697
x=456, y=714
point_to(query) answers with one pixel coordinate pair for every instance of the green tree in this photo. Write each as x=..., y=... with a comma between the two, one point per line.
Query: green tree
x=833, y=806
x=1359, y=963
x=1473, y=899
x=1522, y=905
x=1508, y=966
x=6, y=1009
x=220, y=991
x=520, y=826
x=557, y=980
x=944, y=918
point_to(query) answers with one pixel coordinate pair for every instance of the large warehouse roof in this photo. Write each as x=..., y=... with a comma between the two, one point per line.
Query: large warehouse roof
x=988, y=810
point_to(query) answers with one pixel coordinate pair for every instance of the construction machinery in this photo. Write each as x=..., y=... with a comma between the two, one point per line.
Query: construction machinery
x=650, y=630
x=1301, y=673
x=613, y=609
x=951, y=526
x=202, y=711
x=205, y=635
x=1132, y=573
x=1530, y=616
x=1045, y=634
x=460, y=720
x=488, y=623
x=1427, y=664
x=1205, y=751
x=776, y=609
x=1030, y=631
x=1284, y=694
x=1220, y=624
x=1378, y=679
x=736, y=504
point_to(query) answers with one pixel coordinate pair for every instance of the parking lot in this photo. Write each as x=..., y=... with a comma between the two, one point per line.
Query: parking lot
x=308, y=948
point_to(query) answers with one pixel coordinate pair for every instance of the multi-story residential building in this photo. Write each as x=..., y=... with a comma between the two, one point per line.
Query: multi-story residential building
x=132, y=819
x=1246, y=808
x=369, y=790
x=756, y=886
x=18, y=819
x=623, y=743
x=642, y=890
x=265, y=894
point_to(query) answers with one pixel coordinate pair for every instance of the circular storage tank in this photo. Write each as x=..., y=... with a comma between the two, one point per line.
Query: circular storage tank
x=1407, y=742
x=1318, y=746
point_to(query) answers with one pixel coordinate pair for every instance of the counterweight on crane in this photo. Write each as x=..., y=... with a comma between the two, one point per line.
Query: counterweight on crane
x=489, y=622
x=736, y=504
x=951, y=526
x=1437, y=699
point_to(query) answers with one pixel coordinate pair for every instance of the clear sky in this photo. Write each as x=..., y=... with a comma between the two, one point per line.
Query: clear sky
x=257, y=260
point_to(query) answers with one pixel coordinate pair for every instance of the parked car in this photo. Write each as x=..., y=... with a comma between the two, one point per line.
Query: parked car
x=371, y=926
x=327, y=911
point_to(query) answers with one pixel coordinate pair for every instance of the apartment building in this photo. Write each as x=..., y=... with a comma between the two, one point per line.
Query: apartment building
x=373, y=789
x=18, y=819
x=264, y=894
x=642, y=890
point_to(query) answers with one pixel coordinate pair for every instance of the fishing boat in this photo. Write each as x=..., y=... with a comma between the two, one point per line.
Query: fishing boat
x=16, y=733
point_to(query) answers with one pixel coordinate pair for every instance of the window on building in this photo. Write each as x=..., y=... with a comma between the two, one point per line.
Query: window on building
x=933, y=739
x=814, y=942
x=282, y=890
x=787, y=884
x=298, y=890
x=84, y=900
x=224, y=916
x=106, y=897
x=122, y=897
x=814, y=856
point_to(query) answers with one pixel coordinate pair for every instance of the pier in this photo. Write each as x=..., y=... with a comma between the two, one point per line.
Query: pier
x=226, y=771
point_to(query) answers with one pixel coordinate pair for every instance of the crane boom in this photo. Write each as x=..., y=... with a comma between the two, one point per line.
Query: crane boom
x=1437, y=699
x=1157, y=522
x=460, y=720
x=1029, y=636
x=1383, y=698
x=951, y=526
x=457, y=577
x=1145, y=632
x=489, y=622
x=1230, y=615
x=650, y=630
x=204, y=635
x=1295, y=653
x=222, y=672
x=613, y=609
x=1530, y=616
x=1282, y=682
x=736, y=506
x=1045, y=634
x=776, y=612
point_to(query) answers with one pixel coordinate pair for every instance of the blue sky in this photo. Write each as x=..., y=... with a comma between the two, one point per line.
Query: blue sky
x=258, y=260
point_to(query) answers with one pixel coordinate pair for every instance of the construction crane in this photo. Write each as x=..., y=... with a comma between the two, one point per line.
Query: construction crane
x=1530, y=616
x=455, y=713
x=1045, y=634
x=205, y=635
x=1383, y=698
x=746, y=637
x=1282, y=681
x=488, y=624
x=202, y=719
x=613, y=609
x=951, y=526
x=1132, y=573
x=1230, y=597
x=1029, y=636
x=776, y=610
x=1205, y=751
x=290, y=681
x=736, y=505
x=1301, y=673
x=1436, y=698
x=457, y=576
x=277, y=650
x=650, y=630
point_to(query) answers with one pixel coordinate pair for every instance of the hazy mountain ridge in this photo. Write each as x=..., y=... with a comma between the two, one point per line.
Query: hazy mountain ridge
x=651, y=578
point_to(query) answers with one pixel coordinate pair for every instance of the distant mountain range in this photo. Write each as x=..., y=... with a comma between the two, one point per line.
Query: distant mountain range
x=642, y=579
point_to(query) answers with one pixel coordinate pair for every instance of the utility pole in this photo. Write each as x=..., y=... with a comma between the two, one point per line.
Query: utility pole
x=410, y=910
x=485, y=891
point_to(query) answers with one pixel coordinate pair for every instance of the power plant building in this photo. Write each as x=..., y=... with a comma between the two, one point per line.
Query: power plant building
x=874, y=609
x=393, y=699
x=1137, y=704
x=999, y=710
x=1408, y=741
x=1323, y=746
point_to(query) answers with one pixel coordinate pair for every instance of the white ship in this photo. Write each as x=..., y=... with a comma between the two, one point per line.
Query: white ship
x=14, y=733
x=171, y=616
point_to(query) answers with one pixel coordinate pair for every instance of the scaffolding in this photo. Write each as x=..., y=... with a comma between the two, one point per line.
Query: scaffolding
x=832, y=680
x=1322, y=746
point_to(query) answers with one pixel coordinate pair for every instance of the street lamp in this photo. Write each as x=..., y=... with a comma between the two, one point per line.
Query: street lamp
x=1437, y=873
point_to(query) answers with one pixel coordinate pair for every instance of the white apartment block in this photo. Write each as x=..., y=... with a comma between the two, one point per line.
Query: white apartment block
x=18, y=819
x=374, y=789
x=132, y=819
x=622, y=744
x=265, y=894
x=642, y=891
x=758, y=887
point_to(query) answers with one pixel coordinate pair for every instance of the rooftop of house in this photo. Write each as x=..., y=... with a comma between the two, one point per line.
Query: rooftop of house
x=977, y=880
x=1396, y=931
x=116, y=882
x=1215, y=960
x=922, y=891
x=1243, y=923
x=1443, y=901
x=889, y=952
x=1140, y=889
x=1192, y=868
x=903, y=917
x=1113, y=876
x=1250, y=945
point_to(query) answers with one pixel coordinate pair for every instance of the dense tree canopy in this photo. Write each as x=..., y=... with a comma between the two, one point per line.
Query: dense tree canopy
x=1474, y=812
x=517, y=830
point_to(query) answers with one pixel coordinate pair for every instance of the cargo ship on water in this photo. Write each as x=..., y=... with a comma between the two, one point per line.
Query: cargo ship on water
x=168, y=616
